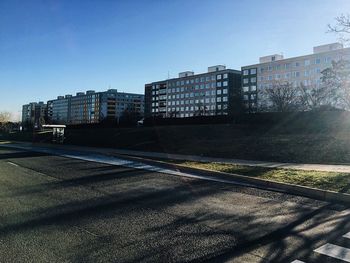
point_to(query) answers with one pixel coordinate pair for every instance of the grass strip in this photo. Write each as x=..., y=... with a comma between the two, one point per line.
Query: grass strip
x=333, y=181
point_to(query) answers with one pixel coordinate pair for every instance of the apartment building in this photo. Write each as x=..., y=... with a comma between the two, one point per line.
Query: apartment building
x=85, y=108
x=59, y=109
x=34, y=113
x=94, y=107
x=116, y=105
x=304, y=70
x=216, y=92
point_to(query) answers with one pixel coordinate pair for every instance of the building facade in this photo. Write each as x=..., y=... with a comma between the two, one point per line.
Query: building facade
x=34, y=114
x=303, y=70
x=216, y=92
x=119, y=105
x=95, y=107
x=59, y=109
x=84, y=108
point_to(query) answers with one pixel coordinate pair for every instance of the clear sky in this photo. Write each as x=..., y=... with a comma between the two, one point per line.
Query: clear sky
x=50, y=48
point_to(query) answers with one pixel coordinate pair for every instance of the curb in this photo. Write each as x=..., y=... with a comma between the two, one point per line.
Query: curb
x=314, y=193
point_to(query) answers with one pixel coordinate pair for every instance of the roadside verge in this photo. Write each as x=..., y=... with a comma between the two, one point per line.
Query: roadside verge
x=91, y=154
x=319, y=194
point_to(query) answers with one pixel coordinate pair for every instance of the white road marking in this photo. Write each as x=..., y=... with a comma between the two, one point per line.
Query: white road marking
x=334, y=251
x=347, y=235
x=126, y=163
x=345, y=212
x=298, y=261
x=13, y=164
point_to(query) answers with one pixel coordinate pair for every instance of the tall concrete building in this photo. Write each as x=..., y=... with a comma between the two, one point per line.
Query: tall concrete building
x=216, y=92
x=34, y=114
x=59, y=109
x=304, y=70
x=94, y=107
x=118, y=105
x=85, y=108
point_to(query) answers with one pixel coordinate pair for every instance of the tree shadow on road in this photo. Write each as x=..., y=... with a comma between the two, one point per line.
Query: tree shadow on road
x=141, y=216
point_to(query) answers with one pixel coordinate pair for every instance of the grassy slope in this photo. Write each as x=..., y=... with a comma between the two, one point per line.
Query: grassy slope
x=338, y=182
x=230, y=141
x=290, y=141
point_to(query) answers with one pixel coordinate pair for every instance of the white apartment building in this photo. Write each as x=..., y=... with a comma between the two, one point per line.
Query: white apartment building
x=216, y=92
x=94, y=107
x=275, y=68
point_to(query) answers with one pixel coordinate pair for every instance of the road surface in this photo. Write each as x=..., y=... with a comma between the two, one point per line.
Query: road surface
x=60, y=209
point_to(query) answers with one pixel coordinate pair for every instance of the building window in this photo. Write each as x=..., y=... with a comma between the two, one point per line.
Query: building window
x=245, y=81
x=224, y=91
x=218, y=76
x=225, y=76
x=253, y=80
x=253, y=88
x=245, y=72
x=245, y=89
x=218, y=92
x=307, y=62
x=224, y=99
x=253, y=71
x=224, y=84
x=218, y=99
x=218, y=84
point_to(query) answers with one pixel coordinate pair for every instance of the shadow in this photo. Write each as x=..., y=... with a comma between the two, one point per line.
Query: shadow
x=26, y=154
x=80, y=181
x=141, y=216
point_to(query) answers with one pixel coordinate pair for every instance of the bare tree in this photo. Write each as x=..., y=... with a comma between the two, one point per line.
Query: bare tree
x=202, y=109
x=337, y=80
x=341, y=27
x=5, y=116
x=280, y=97
x=316, y=96
x=174, y=114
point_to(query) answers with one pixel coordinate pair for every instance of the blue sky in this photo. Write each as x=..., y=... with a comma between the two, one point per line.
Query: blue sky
x=50, y=48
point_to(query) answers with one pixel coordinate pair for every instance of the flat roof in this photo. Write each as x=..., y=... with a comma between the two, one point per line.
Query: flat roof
x=299, y=57
x=54, y=126
x=195, y=75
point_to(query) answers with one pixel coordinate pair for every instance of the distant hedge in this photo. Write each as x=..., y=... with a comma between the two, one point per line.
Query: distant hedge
x=316, y=120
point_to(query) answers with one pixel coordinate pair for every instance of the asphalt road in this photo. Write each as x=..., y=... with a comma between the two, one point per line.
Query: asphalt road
x=58, y=209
